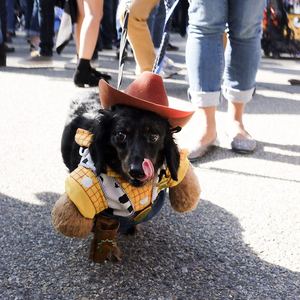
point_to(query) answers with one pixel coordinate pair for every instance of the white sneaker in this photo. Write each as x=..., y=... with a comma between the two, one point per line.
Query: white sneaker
x=162, y=73
x=95, y=63
x=165, y=74
x=168, y=66
x=71, y=65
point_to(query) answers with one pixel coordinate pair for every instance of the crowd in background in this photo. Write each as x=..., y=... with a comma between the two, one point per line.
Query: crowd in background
x=215, y=72
x=41, y=19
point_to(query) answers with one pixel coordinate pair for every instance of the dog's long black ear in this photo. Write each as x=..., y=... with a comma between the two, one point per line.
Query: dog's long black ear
x=171, y=154
x=99, y=147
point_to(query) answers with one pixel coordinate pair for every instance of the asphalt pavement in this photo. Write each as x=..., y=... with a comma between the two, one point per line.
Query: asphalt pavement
x=241, y=242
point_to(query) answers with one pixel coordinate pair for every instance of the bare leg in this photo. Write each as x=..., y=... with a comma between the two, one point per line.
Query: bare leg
x=78, y=24
x=35, y=40
x=207, y=133
x=90, y=13
x=207, y=124
x=235, y=126
x=89, y=16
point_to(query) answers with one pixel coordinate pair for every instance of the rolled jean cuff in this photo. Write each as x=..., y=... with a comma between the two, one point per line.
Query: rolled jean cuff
x=237, y=96
x=32, y=32
x=204, y=99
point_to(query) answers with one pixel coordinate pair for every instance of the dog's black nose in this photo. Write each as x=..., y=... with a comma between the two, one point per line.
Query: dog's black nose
x=136, y=171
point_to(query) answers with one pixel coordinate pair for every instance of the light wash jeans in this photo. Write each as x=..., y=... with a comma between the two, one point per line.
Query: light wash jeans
x=207, y=63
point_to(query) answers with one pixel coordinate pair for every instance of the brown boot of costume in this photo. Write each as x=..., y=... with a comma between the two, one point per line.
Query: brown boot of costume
x=104, y=238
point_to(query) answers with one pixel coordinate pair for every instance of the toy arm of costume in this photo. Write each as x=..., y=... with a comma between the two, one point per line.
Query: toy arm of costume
x=68, y=220
x=184, y=194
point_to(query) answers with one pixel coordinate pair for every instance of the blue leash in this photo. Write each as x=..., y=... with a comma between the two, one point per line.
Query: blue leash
x=165, y=39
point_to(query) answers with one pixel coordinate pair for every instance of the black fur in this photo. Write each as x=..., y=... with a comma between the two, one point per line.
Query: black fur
x=122, y=137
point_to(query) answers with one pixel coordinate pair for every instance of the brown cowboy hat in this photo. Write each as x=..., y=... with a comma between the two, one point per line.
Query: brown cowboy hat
x=146, y=92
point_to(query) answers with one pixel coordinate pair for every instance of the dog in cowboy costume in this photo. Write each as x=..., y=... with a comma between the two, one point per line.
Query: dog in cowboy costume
x=106, y=203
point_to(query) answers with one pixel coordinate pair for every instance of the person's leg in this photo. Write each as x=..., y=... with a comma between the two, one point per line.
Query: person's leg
x=3, y=18
x=78, y=24
x=93, y=11
x=242, y=58
x=2, y=50
x=168, y=67
x=87, y=29
x=107, y=26
x=205, y=62
x=158, y=20
x=10, y=25
x=139, y=33
x=28, y=8
x=34, y=27
x=158, y=28
x=46, y=20
x=1, y=36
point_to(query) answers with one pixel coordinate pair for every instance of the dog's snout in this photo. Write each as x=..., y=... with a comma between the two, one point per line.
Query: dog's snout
x=136, y=171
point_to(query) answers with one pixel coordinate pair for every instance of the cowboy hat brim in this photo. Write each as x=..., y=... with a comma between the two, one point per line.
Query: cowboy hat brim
x=110, y=96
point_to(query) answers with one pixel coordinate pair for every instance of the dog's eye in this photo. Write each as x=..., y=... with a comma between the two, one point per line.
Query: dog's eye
x=153, y=137
x=121, y=136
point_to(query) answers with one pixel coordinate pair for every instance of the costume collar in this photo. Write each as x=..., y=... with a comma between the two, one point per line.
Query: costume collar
x=112, y=173
x=83, y=137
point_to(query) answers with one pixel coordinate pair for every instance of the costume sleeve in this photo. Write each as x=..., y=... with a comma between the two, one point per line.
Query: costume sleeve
x=183, y=166
x=83, y=188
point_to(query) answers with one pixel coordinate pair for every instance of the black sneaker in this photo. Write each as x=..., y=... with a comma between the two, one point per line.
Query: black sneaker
x=8, y=49
x=171, y=47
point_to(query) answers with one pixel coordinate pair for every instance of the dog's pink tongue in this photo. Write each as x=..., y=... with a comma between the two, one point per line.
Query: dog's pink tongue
x=148, y=170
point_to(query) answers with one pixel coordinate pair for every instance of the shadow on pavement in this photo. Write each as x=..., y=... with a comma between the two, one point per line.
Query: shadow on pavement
x=200, y=255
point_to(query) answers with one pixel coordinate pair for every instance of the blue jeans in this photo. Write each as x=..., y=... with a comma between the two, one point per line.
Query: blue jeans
x=107, y=31
x=206, y=62
x=32, y=26
x=10, y=9
x=1, y=36
x=46, y=20
x=3, y=18
x=156, y=22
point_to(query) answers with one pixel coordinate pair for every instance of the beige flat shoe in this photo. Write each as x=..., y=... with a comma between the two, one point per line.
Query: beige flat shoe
x=200, y=151
x=242, y=146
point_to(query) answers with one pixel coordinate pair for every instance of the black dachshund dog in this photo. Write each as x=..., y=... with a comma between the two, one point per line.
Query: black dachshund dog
x=122, y=157
x=123, y=137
